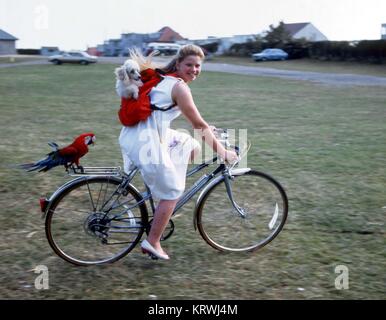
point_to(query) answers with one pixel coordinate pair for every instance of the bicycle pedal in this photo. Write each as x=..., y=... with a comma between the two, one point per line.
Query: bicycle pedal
x=151, y=256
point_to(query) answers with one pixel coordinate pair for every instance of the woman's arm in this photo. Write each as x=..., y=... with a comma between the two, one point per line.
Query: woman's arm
x=182, y=96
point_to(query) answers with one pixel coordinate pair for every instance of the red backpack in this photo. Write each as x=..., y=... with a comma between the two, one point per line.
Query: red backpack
x=133, y=111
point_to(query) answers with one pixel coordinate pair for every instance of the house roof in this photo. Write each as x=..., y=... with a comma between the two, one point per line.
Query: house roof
x=6, y=36
x=169, y=35
x=294, y=28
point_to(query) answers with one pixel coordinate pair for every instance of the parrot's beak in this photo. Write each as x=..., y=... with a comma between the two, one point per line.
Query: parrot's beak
x=90, y=140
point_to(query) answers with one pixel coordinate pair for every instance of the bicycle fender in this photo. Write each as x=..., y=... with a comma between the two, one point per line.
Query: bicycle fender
x=58, y=191
x=239, y=171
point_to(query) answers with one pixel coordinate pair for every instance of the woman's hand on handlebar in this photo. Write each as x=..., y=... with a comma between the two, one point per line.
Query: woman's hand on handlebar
x=230, y=156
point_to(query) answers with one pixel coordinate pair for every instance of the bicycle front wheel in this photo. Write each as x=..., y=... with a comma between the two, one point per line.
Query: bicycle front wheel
x=255, y=218
x=95, y=221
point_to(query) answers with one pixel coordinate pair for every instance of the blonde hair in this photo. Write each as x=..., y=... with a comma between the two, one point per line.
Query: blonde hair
x=147, y=62
x=183, y=52
x=144, y=62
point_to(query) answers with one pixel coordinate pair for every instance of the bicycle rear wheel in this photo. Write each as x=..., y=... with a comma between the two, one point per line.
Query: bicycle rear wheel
x=95, y=221
x=261, y=198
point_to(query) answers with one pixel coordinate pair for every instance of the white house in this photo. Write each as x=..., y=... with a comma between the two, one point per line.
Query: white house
x=383, y=32
x=224, y=43
x=7, y=43
x=227, y=42
x=305, y=30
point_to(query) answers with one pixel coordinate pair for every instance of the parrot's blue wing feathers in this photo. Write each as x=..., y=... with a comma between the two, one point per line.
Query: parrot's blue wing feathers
x=53, y=159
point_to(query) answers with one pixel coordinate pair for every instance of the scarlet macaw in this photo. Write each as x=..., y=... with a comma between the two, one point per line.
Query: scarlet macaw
x=65, y=156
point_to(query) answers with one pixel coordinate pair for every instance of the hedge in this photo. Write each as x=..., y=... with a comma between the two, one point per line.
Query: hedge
x=366, y=50
x=28, y=51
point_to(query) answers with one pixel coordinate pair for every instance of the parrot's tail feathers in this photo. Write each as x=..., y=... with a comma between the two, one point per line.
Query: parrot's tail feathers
x=29, y=167
x=38, y=165
x=26, y=166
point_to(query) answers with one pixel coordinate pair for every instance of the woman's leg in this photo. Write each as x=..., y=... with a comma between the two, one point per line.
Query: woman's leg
x=161, y=218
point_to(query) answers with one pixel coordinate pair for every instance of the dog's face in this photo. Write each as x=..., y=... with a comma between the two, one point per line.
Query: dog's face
x=129, y=71
x=131, y=68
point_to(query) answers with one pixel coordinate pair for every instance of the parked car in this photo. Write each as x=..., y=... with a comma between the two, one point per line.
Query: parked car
x=73, y=57
x=270, y=54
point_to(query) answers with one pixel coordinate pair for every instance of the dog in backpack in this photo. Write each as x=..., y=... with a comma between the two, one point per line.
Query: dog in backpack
x=128, y=79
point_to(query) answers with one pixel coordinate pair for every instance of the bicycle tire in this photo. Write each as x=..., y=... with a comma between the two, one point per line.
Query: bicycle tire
x=223, y=228
x=86, y=245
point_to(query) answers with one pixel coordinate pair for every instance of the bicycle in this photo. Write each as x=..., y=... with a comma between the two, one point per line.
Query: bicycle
x=100, y=216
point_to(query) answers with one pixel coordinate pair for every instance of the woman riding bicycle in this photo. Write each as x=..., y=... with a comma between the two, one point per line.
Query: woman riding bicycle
x=162, y=154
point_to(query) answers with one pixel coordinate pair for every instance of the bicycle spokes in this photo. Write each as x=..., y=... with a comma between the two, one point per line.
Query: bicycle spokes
x=93, y=223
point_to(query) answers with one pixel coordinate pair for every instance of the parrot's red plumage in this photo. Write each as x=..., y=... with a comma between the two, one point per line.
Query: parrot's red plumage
x=65, y=156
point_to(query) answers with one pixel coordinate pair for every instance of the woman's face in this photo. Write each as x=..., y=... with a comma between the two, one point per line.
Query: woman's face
x=189, y=68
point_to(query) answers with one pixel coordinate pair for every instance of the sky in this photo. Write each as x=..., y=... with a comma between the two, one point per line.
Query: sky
x=78, y=24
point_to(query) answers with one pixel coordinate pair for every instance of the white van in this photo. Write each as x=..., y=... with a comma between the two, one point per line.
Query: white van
x=164, y=48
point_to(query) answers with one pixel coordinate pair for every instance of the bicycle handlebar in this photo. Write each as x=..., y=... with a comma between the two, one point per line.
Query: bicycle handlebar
x=223, y=136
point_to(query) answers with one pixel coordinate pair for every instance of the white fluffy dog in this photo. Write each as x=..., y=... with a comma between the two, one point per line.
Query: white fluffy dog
x=128, y=79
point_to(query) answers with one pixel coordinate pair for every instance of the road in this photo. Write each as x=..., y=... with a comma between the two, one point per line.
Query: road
x=332, y=79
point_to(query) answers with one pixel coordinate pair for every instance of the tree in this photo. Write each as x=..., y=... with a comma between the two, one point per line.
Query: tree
x=278, y=36
x=210, y=47
x=246, y=48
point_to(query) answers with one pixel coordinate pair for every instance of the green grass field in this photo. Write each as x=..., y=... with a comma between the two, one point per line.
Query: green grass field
x=326, y=146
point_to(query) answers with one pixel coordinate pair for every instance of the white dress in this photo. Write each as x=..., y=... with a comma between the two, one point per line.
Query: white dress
x=161, y=154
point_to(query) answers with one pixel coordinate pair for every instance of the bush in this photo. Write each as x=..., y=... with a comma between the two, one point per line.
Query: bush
x=28, y=51
x=372, y=51
x=210, y=47
x=245, y=49
x=297, y=49
x=332, y=50
x=366, y=50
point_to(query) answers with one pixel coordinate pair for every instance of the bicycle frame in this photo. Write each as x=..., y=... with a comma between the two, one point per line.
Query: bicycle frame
x=187, y=195
x=205, y=181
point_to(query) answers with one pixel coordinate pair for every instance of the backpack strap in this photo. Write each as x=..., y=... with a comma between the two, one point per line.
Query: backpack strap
x=162, y=74
x=160, y=71
x=154, y=107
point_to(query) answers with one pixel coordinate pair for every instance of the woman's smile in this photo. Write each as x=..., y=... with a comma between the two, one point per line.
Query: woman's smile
x=190, y=68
